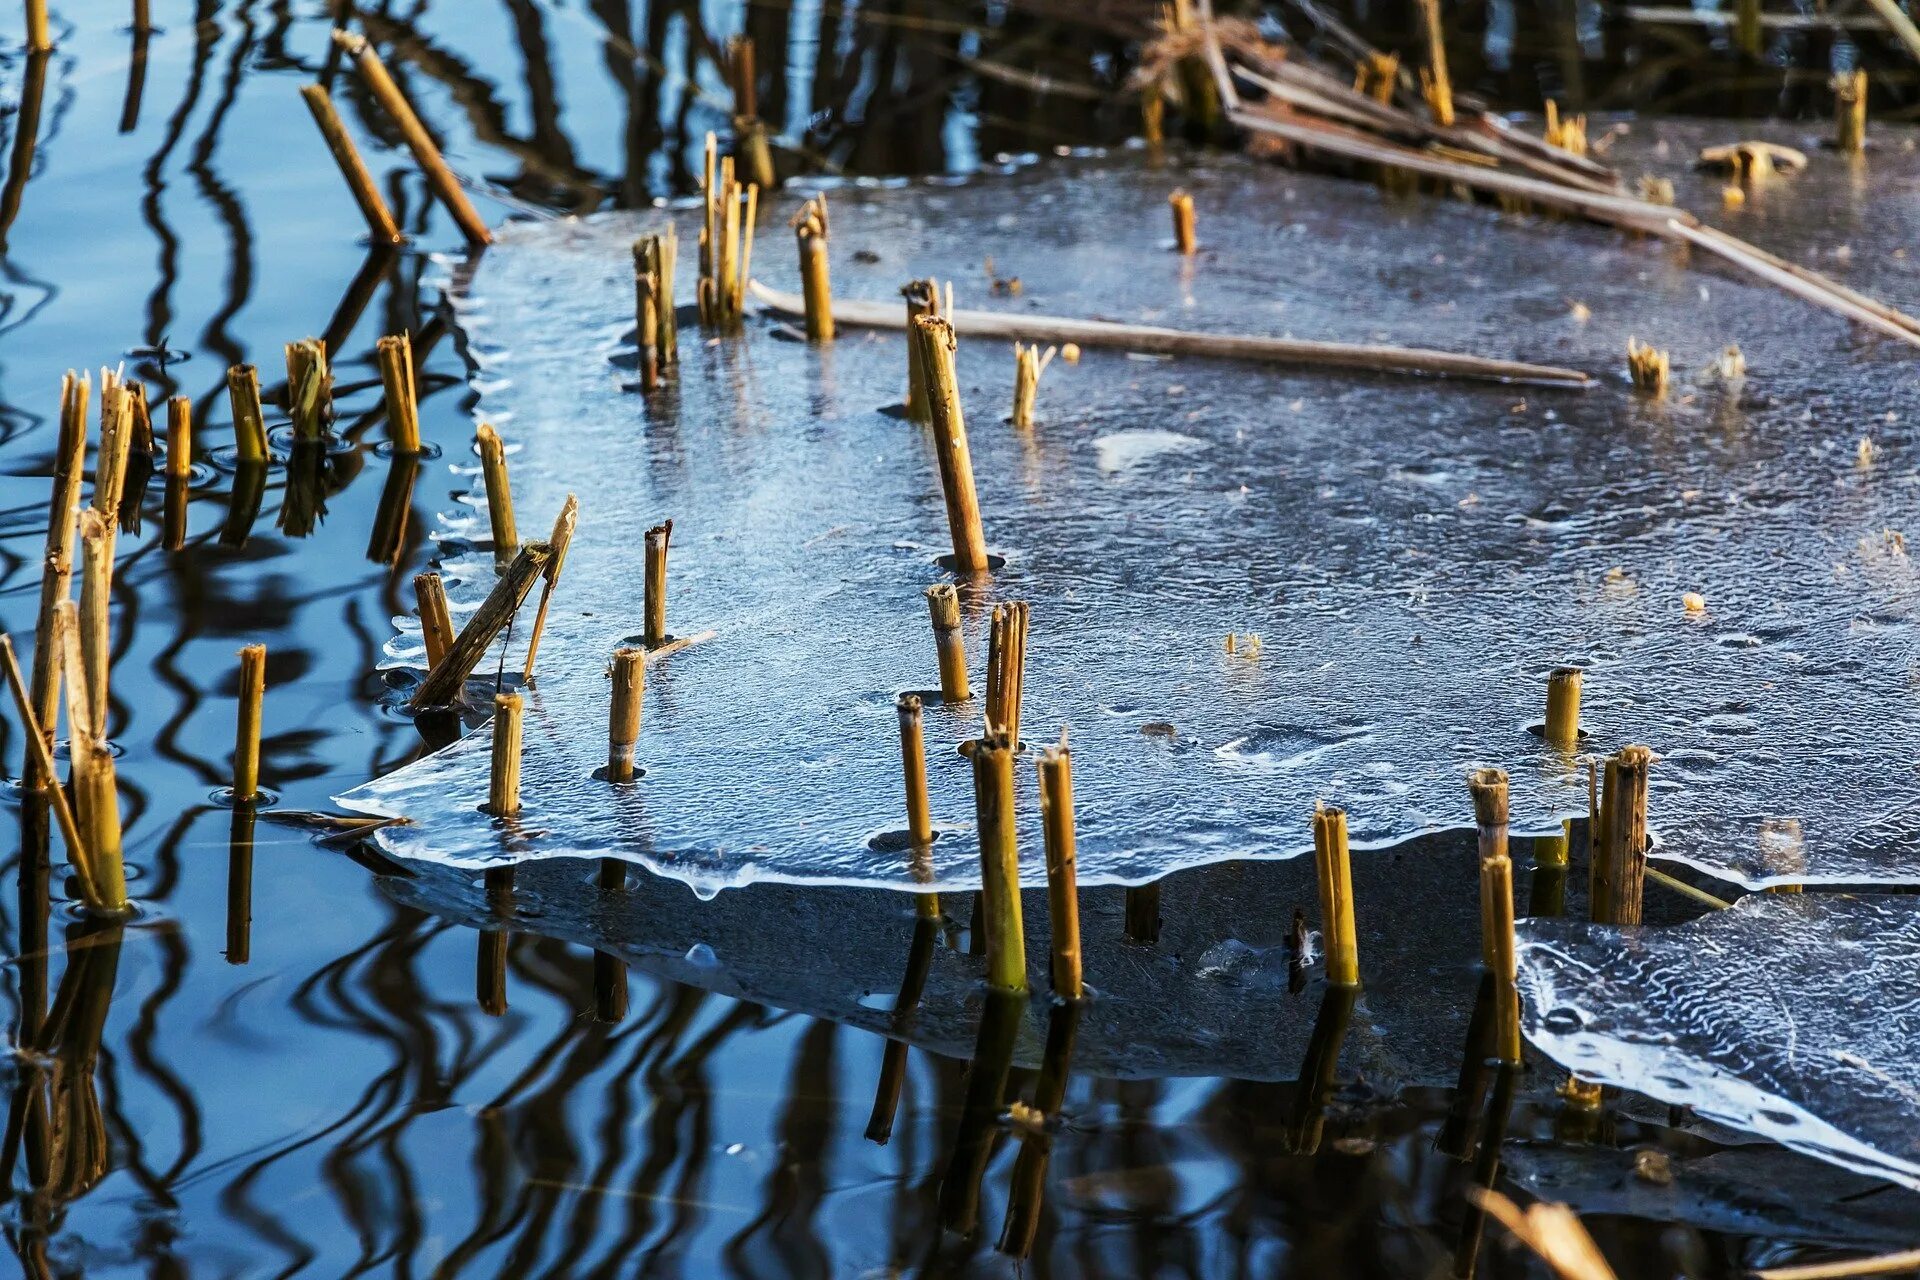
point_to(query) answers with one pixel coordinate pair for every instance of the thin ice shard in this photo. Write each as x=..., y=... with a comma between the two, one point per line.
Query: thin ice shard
x=1415, y=556
x=1793, y=1016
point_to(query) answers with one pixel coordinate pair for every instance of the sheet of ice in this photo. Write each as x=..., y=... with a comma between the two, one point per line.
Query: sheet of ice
x=1794, y=1016
x=1415, y=555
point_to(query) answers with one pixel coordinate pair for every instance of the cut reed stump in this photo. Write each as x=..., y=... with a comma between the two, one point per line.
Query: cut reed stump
x=992, y=757
x=1335, y=875
x=923, y=299
x=1063, y=894
x=96, y=593
x=366, y=193
x=426, y=153
x=249, y=420
x=246, y=738
x=816, y=286
x=503, y=778
x=1028, y=365
x=913, y=768
x=493, y=470
x=726, y=242
x=309, y=389
x=448, y=677
x=1006, y=668
x=1489, y=788
x=96, y=792
x=629, y=674
x=933, y=336
x=655, y=333
x=1183, y=232
x=1647, y=366
x=436, y=620
x=394, y=354
x=1850, y=112
x=1619, y=858
x=1562, y=728
x=56, y=571
x=658, y=540
x=943, y=603
x=179, y=438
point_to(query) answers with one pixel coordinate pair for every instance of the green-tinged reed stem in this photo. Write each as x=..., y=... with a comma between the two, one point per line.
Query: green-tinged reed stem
x=249, y=419
x=1063, y=893
x=96, y=791
x=816, y=285
x=40, y=764
x=366, y=193
x=623, y=721
x=658, y=540
x=246, y=738
x=1140, y=917
x=1563, y=707
x=1619, y=859
x=446, y=678
x=943, y=604
x=56, y=573
x=561, y=541
x=436, y=620
x=913, y=766
x=503, y=777
x=1489, y=788
x=493, y=470
x=999, y=861
x=1183, y=228
x=394, y=353
x=923, y=299
x=1334, y=871
x=935, y=340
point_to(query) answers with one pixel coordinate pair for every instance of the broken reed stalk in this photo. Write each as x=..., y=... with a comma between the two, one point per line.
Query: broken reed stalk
x=56, y=573
x=436, y=619
x=1489, y=788
x=1334, y=871
x=366, y=193
x=658, y=539
x=1850, y=112
x=1028, y=365
x=425, y=153
x=560, y=540
x=1063, y=894
x=503, y=779
x=96, y=792
x=446, y=678
x=394, y=354
x=913, y=766
x=1435, y=84
x=249, y=419
x=726, y=242
x=943, y=604
x=1619, y=859
x=1568, y=134
x=629, y=673
x=493, y=470
x=1006, y=668
x=39, y=31
x=40, y=764
x=179, y=438
x=309, y=388
x=750, y=132
x=1562, y=728
x=246, y=737
x=934, y=337
x=1647, y=366
x=1183, y=237
x=816, y=286
x=923, y=299
x=97, y=542
x=655, y=334
x=992, y=757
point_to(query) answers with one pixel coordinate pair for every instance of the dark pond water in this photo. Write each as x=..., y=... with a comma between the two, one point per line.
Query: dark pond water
x=281, y=1066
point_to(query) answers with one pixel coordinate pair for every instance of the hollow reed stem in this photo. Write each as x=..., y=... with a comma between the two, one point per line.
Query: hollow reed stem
x=923, y=299
x=629, y=673
x=366, y=193
x=1563, y=707
x=992, y=757
x=1489, y=789
x=503, y=778
x=96, y=593
x=56, y=574
x=493, y=471
x=1619, y=858
x=246, y=739
x=394, y=354
x=934, y=338
x=436, y=620
x=1333, y=869
x=1850, y=112
x=249, y=420
x=96, y=791
x=1063, y=894
x=309, y=388
x=943, y=604
x=658, y=539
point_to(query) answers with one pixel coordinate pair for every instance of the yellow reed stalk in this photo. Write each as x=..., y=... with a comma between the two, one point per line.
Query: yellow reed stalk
x=1436, y=85
x=366, y=193
x=179, y=438
x=810, y=228
x=1563, y=707
x=394, y=354
x=96, y=593
x=943, y=603
x=923, y=299
x=992, y=757
x=654, y=331
x=96, y=791
x=39, y=31
x=309, y=388
x=1620, y=845
x=561, y=539
x=726, y=242
x=913, y=765
x=1569, y=134
x=1489, y=788
x=436, y=619
x=1028, y=365
x=40, y=763
x=249, y=420
x=1850, y=112
x=1334, y=871
x=1648, y=368
x=246, y=737
x=493, y=470
x=503, y=778
x=629, y=673
x=1006, y=667
x=1063, y=894
x=934, y=337
x=56, y=573
x=1183, y=231
x=658, y=540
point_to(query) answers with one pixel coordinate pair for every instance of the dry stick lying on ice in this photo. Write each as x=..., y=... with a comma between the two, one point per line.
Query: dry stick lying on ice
x=1175, y=342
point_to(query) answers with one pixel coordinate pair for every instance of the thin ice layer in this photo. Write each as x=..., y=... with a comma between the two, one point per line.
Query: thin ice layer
x=1414, y=555
x=1790, y=1015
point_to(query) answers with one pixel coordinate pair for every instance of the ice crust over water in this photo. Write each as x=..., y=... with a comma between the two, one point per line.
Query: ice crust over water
x=1794, y=1016
x=1414, y=555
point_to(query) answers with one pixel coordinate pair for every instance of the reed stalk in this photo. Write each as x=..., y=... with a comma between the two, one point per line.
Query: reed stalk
x=249, y=420
x=1028, y=365
x=366, y=193
x=503, y=777
x=726, y=242
x=1063, y=894
x=943, y=603
x=96, y=791
x=179, y=438
x=750, y=132
x=1435, y=83
x=1183, y=229
x=1563, y=708
x=816, y=286
x=1648, y=368
x=992, y=757
x=658, y=539
x=447, y=678
x=561, y=540
x=1850, y=112
x=1334, y=872
x=913, y=767
x=493, y=470
x=629, y=673
x=96, y=593
x=394, y=354
x=1619, y=860
x=934, y=337
x=436, y=619
x=246, y=738
x=923, y=299
x=646, y=323
x=426, y=154
x=655, y=332
x=39, y=31
x=309, y=389
x=56, y=573
x=1489, y=788
x=141, y=454
x=1006, y=668
x=40, y=764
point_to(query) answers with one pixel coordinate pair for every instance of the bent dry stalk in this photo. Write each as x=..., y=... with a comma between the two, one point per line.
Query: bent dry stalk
x=933, y=336
x=447, y=677
x=56, y=574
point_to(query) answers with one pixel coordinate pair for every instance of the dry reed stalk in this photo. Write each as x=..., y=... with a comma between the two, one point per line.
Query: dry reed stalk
x=1183, y=232
x=1850, y=112
x=1569, y=134
x=137, y=470
x=1063, y=894
x=658, y=539
x=646, y=322
x=816, y=286
x=503, y=777
x=943, y=604
x=726, y=242
x=1333, y=869
x=561, y=539
x=493, y=470
x=1489, y=788
x=629, y=674
x=1006, y=668
x=249, y=420
x=913, y=767
x=1648, y=368
x=394, y=354
x=1149, y=339
x=97, y=544
x=425, y=153
x=1557, y=1236
x=1028, y=365
x=446, y=678
x=1563, y=707
x=923, y=299
x=246, y=738
x=39, y=31
x=179, y=438
x=655, y=333
x=1436, y=85
x=96, y=792
x=992, y=757
x=56, y=573
x=934, y=337
x=309, y=389
x=40, y=764
x=436, y=619
x=750, y=132
x=1619, y=857
x=366, y=193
